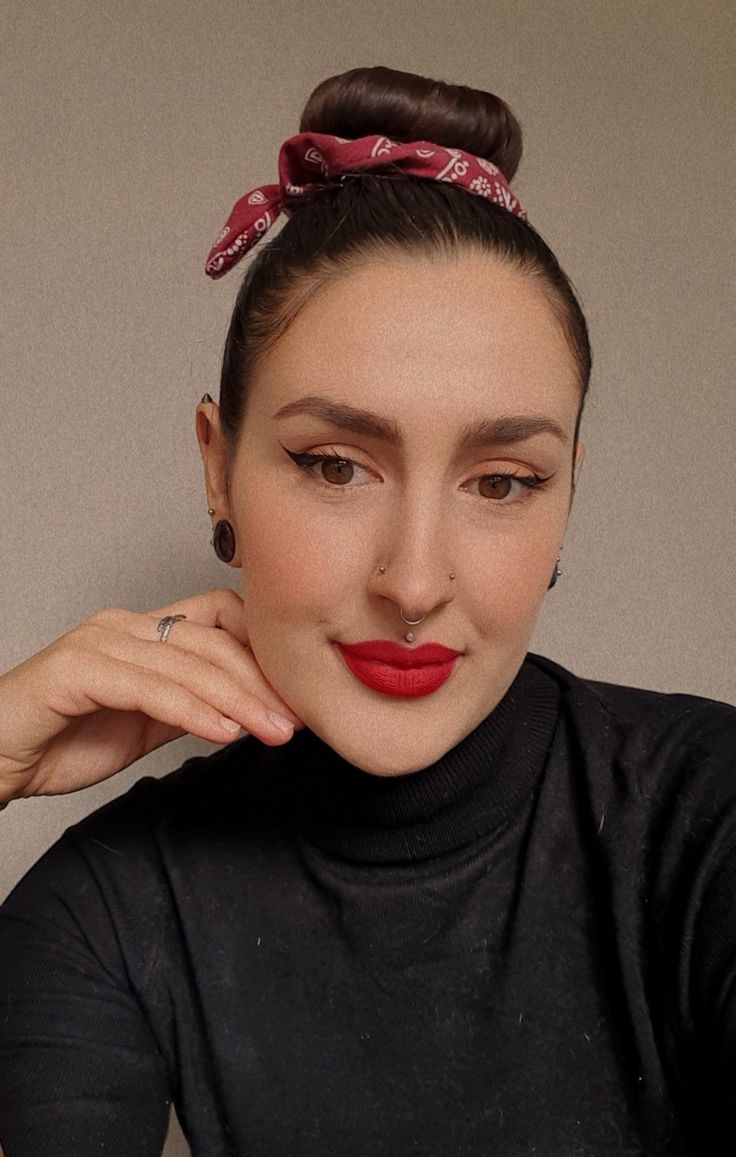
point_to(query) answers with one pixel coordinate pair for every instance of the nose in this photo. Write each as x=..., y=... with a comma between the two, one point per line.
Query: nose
x=417, y=565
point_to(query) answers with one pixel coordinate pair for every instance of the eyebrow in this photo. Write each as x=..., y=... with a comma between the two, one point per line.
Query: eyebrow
x=502, y=431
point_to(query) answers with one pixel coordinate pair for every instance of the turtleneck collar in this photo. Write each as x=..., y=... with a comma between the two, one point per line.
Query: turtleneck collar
x=474, y=788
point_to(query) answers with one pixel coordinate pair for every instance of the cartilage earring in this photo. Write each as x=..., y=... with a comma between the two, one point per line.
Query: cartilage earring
x=555, y=575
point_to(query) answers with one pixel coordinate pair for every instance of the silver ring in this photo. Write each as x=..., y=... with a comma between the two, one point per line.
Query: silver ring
x=411, y=622
x=165, y=624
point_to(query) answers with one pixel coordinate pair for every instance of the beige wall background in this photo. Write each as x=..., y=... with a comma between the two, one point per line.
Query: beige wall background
x=127, y=132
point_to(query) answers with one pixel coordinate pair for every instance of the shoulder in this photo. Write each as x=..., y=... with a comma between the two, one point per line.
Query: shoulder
x=131, y=835
x=659, y=741
x=204, y=793
x=111, y=882
x=642, y=710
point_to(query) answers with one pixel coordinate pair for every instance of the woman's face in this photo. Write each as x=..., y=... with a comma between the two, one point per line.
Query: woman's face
x=430, y=347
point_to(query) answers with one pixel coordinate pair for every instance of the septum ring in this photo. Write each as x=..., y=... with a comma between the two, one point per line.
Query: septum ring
x=411, y=622
x=165, y=624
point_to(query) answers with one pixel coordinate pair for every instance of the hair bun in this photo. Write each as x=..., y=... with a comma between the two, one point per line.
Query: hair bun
x=407, y=107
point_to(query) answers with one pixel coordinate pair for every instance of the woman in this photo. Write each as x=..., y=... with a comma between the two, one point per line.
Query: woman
x=466, y=902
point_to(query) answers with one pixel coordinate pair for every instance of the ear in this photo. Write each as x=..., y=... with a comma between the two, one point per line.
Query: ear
x=215, y=453
x=579, y=456
x=577, y=464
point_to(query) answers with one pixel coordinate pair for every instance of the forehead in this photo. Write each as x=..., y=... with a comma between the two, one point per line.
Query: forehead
x=442, y=333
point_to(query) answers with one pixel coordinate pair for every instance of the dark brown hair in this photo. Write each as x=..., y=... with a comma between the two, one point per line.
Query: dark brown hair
x=332, y=228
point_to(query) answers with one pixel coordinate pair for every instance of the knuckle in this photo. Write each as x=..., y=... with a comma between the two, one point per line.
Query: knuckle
x=60, y=657
x=70, y=645
x=155, y=678
x=152, y=687
x=228, y=595
x=94, y=631
x=104, y=617
x=223, y=641
x=235, y=698
x=92, y=620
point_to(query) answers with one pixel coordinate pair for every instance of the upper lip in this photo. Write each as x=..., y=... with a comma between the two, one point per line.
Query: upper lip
x=387, y=651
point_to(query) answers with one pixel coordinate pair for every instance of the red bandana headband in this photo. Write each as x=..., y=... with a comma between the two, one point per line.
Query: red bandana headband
x=308, y=160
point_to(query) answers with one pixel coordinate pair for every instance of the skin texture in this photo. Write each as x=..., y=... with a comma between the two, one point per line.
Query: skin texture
x=432, y=344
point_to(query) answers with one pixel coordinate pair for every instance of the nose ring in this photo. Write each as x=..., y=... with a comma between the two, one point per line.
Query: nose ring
x=411, y=622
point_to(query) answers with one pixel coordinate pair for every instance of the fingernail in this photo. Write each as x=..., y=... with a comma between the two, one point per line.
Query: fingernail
x=280, y=721
x=229, y=724
x=207, y=398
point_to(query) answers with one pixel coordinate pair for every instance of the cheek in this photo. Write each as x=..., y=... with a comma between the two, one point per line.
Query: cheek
x=288, y=565
x=509, y=585
x=509, y=601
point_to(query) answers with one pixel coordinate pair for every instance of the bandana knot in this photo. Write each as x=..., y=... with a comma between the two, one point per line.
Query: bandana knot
x=310, y=160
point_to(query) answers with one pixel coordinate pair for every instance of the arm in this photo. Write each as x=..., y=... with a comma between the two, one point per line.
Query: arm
x=693, y=945
x=713, y=987
x=80, y=1070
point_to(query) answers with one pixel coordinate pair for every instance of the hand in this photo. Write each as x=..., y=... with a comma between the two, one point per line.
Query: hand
x=107, y=692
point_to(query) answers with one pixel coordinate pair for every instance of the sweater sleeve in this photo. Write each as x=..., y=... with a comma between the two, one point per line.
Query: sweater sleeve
x=80, y=1070
x=713, y=992
x=702, y=824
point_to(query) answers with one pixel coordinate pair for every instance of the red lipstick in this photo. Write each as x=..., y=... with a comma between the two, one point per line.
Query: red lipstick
x=397, y=670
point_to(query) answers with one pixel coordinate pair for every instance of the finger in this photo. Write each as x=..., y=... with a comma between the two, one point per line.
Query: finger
x=217, y=647
x=221, y=607
x=204, y=680
x=227, y=653
x=124, y=686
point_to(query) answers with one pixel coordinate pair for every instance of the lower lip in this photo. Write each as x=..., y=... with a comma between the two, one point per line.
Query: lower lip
x=404, y=682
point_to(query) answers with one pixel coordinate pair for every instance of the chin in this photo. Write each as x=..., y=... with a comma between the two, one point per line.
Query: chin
x=388, y=748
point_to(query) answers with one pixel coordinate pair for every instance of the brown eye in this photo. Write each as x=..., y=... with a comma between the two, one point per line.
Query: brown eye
x=495, y=485
x=337, y=470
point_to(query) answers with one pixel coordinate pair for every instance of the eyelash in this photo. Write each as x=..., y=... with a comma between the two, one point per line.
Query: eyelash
x=305, y=461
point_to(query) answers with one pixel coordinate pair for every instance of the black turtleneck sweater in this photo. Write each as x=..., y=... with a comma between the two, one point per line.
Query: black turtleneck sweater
x=528, y=947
